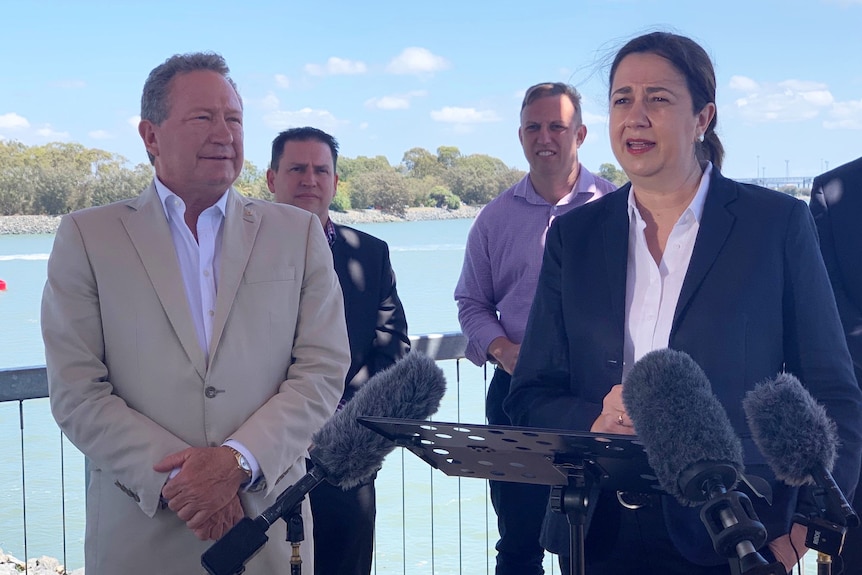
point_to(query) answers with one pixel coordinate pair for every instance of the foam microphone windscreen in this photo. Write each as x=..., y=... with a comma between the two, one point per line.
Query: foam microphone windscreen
x=791, y=429
x=680, y=422
x=349, y=452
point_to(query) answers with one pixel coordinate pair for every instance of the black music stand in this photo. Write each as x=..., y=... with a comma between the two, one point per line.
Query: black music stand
x=573, y=463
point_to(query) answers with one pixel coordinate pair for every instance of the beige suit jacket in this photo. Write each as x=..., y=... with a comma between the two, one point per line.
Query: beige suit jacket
x=129, y=383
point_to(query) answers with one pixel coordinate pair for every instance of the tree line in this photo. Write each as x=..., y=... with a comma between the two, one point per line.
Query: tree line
x=57, y=178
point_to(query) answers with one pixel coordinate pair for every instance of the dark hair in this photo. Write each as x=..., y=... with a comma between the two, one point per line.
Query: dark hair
x=302, y=135
x=546, y=89
x=155, y=106
x=692, y=61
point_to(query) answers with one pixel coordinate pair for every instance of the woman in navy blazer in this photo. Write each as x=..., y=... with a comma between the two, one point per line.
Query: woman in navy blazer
x=680, y=257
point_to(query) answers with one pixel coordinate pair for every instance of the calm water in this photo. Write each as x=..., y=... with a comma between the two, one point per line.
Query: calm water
x=427, y=259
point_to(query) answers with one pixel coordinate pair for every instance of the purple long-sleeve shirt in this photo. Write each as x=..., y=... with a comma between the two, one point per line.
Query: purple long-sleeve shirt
x=503, y=258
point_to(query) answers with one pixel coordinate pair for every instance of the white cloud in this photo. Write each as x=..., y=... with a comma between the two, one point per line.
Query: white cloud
x=388, y=103
x=270, y=102
x=743, y=84
x=786, y=101
x=589, y=119
x=454, y=115
x=395, y=101
x=13, y=121
x=134, y=121
x=415, y=60
x=282, y=81
x=100, y=135
x=336, y=66
x=845, y=115
x=50, y=133
x=283, y=119
x=363, y=126
x=69, y=84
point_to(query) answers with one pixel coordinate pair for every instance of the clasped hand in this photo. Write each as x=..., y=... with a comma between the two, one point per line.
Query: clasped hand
x=204, y=493
x=613, y=418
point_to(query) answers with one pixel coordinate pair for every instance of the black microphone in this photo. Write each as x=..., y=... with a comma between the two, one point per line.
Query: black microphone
x=798, y=440
x=344, y=452
x=694, y=451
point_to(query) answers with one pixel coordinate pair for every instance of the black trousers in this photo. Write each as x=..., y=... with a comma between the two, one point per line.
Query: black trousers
x=343, y=529
x=520, y=507
x=851, y=555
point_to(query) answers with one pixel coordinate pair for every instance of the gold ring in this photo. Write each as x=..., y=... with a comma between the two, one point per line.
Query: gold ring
x=620, y=419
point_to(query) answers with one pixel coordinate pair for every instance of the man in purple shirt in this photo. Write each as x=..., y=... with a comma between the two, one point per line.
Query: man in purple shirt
x=498, y=282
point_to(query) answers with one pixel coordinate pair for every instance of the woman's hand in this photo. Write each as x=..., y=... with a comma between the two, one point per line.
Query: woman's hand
x=613, y=418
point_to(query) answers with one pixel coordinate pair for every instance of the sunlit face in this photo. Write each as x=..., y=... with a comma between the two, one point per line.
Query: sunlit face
x=305, y=177
x=198, y=148
x=551, y=135
x=652, y=126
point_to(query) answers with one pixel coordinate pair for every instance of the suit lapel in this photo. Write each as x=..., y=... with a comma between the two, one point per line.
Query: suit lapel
x=715, y=226
x=150, y=234
x=615, y=233
x=242, y=222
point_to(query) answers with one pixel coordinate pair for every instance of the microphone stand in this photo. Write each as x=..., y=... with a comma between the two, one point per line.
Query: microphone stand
x=730, y=519
x=572, y=500
x=228, y=555
x=295, y=535
x=827, y=526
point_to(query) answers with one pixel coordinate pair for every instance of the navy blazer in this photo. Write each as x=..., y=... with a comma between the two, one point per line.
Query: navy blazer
x=376, y=324
x=755, y=301
x=836, y=202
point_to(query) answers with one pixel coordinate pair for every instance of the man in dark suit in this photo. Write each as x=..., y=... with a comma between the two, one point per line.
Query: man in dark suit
x=836, y=202
x=302, y=173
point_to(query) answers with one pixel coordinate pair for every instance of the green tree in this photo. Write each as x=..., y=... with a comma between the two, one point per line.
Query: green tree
x=477, y=179
x=252, y=182
x=16, y=179
x=613, y=174
x=420, y=163
x=385, y=190
x=114, y=182
x=443, y=198
x=349, y=168
x=448, y=155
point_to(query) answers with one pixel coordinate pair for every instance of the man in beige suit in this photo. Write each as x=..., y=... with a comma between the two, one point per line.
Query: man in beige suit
x=195, y=339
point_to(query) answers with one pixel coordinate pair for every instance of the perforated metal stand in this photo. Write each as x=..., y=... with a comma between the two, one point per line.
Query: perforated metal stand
x=572, y=463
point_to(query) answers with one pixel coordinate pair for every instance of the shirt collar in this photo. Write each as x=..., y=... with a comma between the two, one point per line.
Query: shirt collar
x=524, y=189
x=165, y=193
x=329, y=229
x=695, y=207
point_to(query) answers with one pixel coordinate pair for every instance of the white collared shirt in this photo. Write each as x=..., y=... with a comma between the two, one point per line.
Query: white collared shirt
x=652, y=291
x=199, y=264
x=198, y=259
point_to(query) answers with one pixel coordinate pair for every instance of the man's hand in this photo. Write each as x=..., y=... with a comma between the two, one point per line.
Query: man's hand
x=207, y=483
x=783, y=550
x=613, y=418
x=221, y=522
x=505, y=352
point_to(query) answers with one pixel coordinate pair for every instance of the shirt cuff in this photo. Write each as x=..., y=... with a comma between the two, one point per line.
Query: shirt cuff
x=255, y=466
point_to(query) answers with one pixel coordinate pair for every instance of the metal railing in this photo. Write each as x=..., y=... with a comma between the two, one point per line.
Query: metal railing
x=442, y=524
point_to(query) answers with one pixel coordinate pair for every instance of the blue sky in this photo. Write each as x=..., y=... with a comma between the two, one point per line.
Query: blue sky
x=384, y=77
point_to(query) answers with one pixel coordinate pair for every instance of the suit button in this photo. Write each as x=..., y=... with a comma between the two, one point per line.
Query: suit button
x=210, y=392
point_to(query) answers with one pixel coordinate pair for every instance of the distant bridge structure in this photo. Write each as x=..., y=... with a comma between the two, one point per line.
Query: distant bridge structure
x=779, y=182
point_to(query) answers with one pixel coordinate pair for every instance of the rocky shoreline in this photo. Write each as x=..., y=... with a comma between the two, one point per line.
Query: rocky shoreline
x=48, y=224
x=10, y=565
